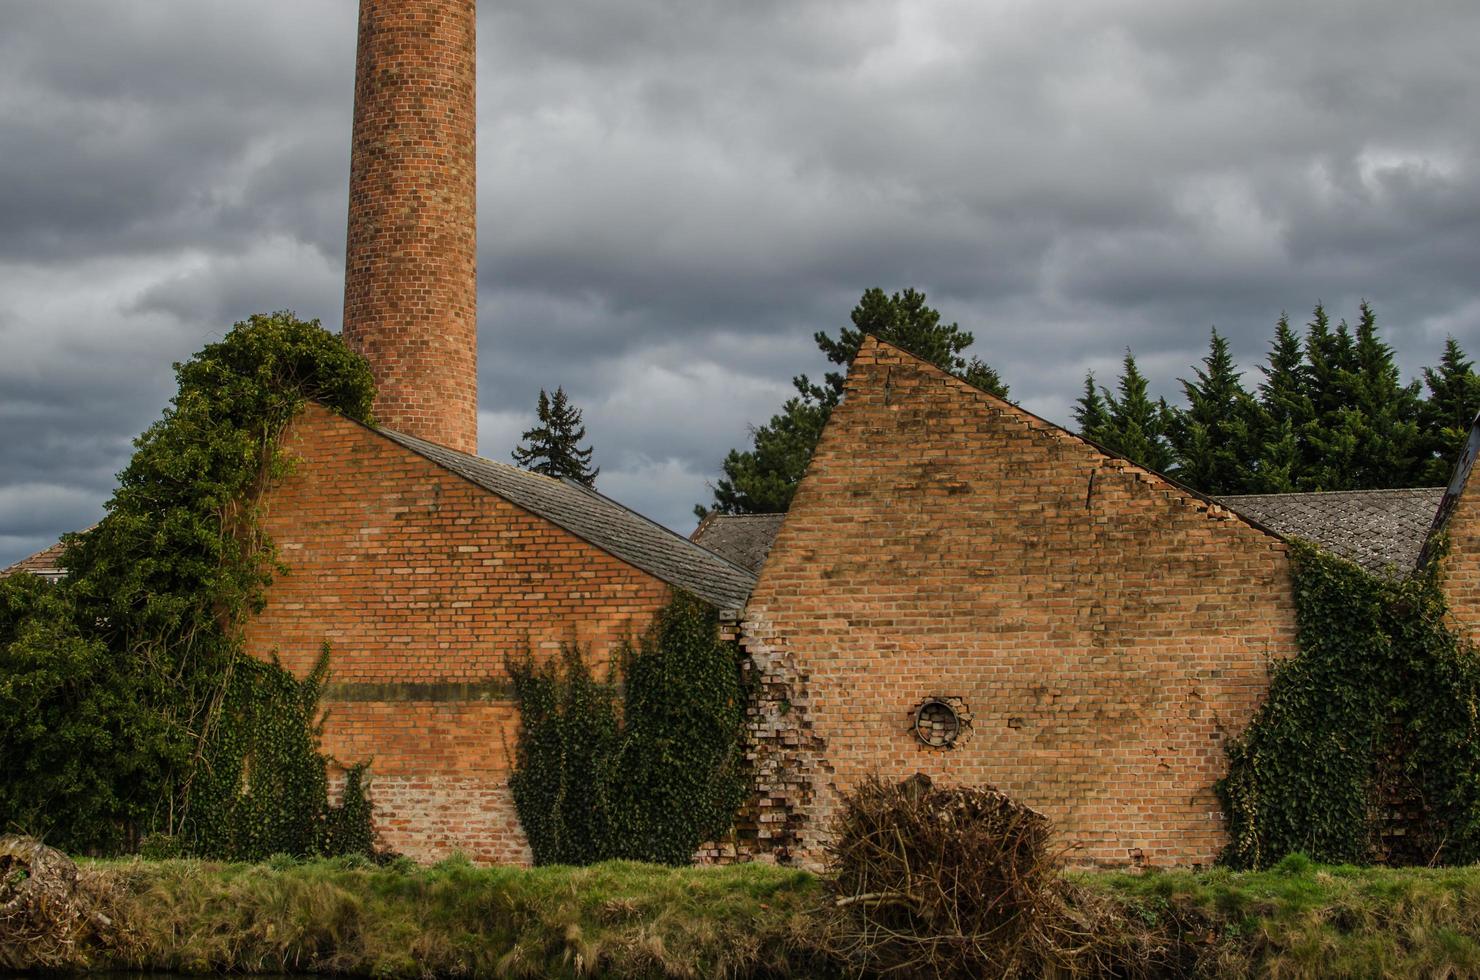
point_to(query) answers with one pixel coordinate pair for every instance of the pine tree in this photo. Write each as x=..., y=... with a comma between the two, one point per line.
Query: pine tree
x=1389, y=452
x=1215, y=440
x=553, y=446
x=763, y=478
x=1090, y=413
x=1331, y=437
x=1135, y=426
x=1447, y=413
x=1285, y=408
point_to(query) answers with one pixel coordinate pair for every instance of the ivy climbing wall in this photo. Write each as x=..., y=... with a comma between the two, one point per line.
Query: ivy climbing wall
x=424, y=584
x=1100, y=631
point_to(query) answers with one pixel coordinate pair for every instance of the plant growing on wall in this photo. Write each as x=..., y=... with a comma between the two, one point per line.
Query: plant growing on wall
x=1379, y=713
x=135, y=661
x=646, y=769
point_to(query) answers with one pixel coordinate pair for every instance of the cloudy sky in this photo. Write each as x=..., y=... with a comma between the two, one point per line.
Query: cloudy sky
x=676, y=193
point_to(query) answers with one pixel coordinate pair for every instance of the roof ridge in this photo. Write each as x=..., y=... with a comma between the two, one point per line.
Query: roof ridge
x=1331, y=493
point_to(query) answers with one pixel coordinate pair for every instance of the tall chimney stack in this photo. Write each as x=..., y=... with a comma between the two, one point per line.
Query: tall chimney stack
x=411, y=275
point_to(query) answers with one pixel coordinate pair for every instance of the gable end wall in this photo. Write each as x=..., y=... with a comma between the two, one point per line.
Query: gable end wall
x=424, y=584
x=1106, y=631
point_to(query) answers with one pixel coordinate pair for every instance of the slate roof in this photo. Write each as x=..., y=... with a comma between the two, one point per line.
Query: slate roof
x=44, y=563
x=744, y=539
x=1381, y=530
x=641, y=543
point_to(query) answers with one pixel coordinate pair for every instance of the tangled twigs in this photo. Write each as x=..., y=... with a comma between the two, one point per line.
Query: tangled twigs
x=965, y=882
x=51, y=912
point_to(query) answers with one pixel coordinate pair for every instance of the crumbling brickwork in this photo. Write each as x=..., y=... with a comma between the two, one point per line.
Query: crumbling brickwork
x=423, y=584
x=411, y=280
x=1105, y=630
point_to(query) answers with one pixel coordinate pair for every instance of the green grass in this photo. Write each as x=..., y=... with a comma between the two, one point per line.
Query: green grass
x=454, y=919
x=622, y=919
x=1301, y=919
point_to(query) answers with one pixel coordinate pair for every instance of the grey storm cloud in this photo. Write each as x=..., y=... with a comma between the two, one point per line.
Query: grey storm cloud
x=675, y=195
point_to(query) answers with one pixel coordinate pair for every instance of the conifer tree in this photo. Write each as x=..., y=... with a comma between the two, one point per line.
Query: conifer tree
x=1448, y=412
x=1215, y=440
x=1090, y=413
x=553, y=446
x=762, y=479
x=1135, y=426
x=1330, y=436
x=1285, y=409
x=1387, y=420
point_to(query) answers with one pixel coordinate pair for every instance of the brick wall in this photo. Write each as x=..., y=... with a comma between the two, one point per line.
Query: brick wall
x=423, y=583
x=1460, y=567
x=1105, y=630
x=411, y=280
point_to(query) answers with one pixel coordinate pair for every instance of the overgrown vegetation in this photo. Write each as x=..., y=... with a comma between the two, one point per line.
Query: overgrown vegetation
x=1372, y=729
x=348, y=916
x=619, y=919
x=646, y=769
x=127, y=704
x=1305, y=921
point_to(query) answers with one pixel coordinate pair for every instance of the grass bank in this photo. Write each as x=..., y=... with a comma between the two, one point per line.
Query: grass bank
x=620, y=919
x=452, y=919
x=1302, y=920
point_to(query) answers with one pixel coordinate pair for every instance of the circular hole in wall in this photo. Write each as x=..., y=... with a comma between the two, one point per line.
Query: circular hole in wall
x=937, y=724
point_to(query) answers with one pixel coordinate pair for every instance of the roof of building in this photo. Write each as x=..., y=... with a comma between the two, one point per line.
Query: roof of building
x=46, y=563
x=642, y=543
x=744, y=539
x=1381, y=530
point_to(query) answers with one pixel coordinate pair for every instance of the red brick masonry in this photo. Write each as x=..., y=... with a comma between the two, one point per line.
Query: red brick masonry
x=411, y=278
x=423, y=583
x=1106, y=630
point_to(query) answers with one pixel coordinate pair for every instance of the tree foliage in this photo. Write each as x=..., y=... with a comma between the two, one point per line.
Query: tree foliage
x=553, y=447
x=646, y=769
x=134, y=663
x=1331, y=413
x=763, y=478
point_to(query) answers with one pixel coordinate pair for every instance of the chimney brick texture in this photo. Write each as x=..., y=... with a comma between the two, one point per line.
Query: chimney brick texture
x=411, y=278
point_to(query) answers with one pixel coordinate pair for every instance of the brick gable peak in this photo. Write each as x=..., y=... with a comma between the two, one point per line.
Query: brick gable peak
x=875, y=350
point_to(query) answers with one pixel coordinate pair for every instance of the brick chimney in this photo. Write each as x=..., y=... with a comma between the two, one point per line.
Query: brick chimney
x=411, y=277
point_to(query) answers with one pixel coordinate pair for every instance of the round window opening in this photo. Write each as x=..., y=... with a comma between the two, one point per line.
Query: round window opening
x=937, y=724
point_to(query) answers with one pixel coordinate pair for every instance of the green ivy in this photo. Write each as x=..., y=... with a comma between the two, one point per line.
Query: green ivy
x=1370, y=729
x=135, y=664
x=646, y=769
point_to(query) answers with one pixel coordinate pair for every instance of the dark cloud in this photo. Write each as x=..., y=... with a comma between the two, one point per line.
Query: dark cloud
x=674, y=196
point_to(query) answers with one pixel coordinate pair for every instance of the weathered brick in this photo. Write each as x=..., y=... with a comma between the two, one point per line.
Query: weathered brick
x=1106, y=629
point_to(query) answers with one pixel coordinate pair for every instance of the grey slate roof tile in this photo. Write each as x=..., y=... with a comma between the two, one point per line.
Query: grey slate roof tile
x=744, y=539
x=636, y=540
x=1381, y=530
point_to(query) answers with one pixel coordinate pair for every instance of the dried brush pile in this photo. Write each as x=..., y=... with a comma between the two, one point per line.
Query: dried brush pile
x=965, y=882
x=52, y=915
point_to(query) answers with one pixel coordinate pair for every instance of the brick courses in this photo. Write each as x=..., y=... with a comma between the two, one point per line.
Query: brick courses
x=423, y=584
x=1105, y=629
x=1460, y=566
x=411, y=281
